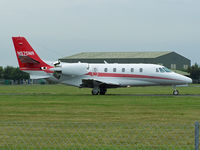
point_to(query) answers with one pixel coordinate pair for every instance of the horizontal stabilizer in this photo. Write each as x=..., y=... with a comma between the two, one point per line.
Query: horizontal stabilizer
x=39, y=77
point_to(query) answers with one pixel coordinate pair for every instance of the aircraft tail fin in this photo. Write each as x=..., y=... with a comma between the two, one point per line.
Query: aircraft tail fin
x=27, y=58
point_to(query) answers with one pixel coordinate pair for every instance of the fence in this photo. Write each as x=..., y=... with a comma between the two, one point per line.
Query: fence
x=24, y=82
x=97, y=136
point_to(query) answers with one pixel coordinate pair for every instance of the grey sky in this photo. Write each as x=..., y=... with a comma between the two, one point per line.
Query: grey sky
x=57, y=28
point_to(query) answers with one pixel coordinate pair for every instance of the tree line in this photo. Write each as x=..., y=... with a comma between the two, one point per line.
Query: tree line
x=12, y=73
x=194, y=72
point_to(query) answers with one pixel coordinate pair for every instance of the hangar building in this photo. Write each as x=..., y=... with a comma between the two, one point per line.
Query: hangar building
x=169, y=59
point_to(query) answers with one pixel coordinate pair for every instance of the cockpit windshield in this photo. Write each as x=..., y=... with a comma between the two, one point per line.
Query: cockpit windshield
x=161, y=70
x=166, y=69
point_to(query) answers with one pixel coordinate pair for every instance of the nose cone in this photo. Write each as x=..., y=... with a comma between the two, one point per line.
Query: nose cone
x=183, y=79
x=188, y=80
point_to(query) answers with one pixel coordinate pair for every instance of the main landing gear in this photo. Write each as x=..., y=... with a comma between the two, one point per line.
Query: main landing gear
x=95, y=91
x=101, y=91
x=175, y=92
x=98, y=88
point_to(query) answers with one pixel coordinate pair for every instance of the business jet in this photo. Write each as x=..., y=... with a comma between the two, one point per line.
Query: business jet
x=99, y=77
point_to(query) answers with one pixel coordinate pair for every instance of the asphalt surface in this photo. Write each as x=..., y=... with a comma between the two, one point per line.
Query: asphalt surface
x=183, y=95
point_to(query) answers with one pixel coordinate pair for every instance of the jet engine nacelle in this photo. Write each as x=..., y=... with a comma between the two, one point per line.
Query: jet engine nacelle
x=74, y=68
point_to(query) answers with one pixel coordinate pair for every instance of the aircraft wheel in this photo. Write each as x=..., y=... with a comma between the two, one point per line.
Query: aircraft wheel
x=103, y=91
x=95, y=92
x=175, y=92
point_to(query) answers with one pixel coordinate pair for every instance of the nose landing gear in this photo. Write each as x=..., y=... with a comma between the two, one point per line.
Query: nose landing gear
x=175, y=92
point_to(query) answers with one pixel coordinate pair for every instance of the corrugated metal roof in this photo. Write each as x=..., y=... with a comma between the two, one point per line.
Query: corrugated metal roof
x=103, y=55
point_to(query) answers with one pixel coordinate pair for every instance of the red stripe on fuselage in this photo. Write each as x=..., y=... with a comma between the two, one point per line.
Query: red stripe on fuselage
x=125, y=75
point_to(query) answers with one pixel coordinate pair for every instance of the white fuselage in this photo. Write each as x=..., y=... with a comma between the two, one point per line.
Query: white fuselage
x=118, y=74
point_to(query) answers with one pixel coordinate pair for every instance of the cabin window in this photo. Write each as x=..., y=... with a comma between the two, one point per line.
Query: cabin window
x=132, y=69
x=161, y=70
x=105, y=69
x=157, y=70
x=114, y=69
x=123, y=69
x=141, y=70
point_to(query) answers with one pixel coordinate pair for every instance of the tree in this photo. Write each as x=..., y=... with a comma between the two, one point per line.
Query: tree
x=8, y=73
x=1, y=72
x=20, y=74
x=11, y=73
x=194, y=71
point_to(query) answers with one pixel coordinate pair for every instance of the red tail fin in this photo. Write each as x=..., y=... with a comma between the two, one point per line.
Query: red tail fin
x=27, y=57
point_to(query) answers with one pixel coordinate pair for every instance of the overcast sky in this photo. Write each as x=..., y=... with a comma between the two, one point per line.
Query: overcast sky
x=57, y=28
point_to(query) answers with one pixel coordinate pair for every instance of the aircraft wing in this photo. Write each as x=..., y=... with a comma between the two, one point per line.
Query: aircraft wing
x=90, y=83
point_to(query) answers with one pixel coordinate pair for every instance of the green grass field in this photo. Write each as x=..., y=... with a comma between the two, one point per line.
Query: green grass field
x=113, y=121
